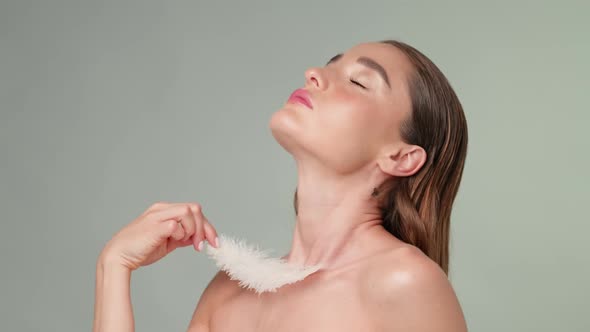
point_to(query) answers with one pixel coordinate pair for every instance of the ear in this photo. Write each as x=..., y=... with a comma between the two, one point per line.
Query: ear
x=405, y=161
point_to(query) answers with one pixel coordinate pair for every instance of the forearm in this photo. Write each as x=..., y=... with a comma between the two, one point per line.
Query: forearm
x=113, y=311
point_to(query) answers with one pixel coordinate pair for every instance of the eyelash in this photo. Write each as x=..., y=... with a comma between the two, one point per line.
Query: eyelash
x=357, y=83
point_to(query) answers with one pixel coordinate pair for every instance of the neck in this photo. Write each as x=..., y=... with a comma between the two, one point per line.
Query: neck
x=336, y=219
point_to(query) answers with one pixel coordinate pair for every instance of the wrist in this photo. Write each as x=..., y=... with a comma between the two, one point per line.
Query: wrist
x=110, y=261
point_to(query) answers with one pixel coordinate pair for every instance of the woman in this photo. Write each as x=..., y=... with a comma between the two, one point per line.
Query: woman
x=379, y=138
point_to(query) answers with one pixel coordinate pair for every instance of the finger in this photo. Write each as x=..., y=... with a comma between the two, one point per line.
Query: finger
x=157, y=206
x=170, y=229
x=211, y=234
x=154, y=207
x=173, y=244
x=178, y=233
x=173, y=211
x=188, y=221
x=199, y=234
x=189, y=227
x=182, y=212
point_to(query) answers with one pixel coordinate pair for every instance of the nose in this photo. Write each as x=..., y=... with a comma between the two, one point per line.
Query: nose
x=315, y=78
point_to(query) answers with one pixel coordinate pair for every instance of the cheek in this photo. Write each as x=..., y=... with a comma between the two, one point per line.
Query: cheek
x=349, y=116
x=347, y=129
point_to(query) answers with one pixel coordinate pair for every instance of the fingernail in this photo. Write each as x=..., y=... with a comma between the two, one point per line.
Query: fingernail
x=216, y=242
x=200, y=245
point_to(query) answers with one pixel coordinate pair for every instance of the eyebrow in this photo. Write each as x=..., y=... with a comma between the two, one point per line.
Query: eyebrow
x=367, y=62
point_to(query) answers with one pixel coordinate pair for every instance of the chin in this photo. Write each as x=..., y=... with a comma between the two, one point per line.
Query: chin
x=286, y=126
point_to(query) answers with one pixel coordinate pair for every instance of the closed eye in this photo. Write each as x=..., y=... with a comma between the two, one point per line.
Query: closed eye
x=357, y=83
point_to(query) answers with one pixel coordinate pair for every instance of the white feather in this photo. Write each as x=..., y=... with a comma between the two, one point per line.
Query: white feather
x=253, y=268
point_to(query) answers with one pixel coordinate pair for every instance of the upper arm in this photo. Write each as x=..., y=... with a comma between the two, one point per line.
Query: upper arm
x=213, y=294
x=417, y=296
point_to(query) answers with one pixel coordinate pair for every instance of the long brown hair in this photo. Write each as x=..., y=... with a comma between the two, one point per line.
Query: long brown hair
x=417, y=209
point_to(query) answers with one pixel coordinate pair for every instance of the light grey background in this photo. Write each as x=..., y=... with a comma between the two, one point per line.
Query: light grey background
x=109, y=106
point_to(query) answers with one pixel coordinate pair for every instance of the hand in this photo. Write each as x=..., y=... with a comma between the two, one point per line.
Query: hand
x=162, y=228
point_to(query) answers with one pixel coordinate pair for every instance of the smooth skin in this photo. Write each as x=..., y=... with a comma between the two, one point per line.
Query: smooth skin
x=348, y=144
x=162, y=228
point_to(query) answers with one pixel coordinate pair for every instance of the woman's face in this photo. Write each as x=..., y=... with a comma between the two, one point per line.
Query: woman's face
x=359, y=99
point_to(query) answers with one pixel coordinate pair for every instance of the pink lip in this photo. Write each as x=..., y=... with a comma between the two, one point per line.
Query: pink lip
x=301, y=96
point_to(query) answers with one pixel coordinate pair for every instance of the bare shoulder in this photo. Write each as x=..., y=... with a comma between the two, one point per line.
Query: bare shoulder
x=411, y=292
x=219, y=289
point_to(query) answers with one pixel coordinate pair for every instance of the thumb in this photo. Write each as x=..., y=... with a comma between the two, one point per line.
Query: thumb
x=170, y=229
x=174, y=244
